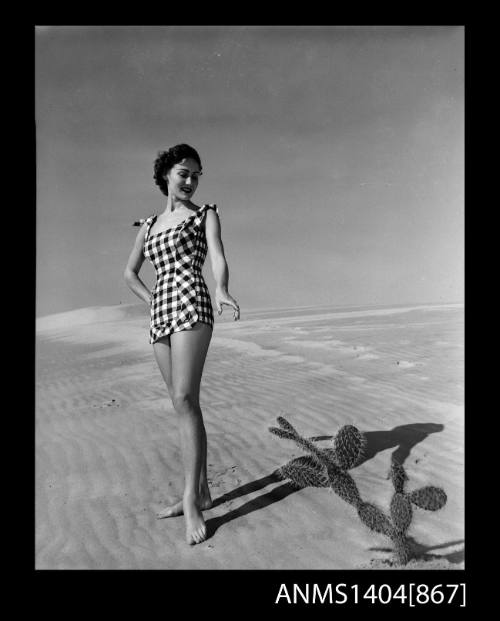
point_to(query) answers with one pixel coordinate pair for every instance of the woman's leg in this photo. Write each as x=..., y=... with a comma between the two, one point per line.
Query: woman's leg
x=163, y=355
x=189, y=349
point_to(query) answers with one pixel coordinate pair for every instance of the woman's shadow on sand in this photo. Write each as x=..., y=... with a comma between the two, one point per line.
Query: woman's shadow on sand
x=403, y=438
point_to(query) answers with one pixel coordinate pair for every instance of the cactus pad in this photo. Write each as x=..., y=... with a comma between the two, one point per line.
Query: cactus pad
x=282, y=433
x=429, y=498
x=344, y=486
x=398, y=476
x=373, y=517
x=284, y=424
x=402, y=548
x=401, y=512
x=348, y=446
x=304, y=471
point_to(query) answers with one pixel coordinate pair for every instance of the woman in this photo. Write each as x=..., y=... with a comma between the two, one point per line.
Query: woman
x=176, y=242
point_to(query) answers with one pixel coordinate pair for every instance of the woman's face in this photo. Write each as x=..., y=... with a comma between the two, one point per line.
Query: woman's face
x=183, y=179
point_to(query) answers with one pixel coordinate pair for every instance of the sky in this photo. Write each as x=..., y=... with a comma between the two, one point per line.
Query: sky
x=335, y=156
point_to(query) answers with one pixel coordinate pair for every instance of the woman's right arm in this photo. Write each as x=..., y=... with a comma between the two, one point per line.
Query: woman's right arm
x=134, y=263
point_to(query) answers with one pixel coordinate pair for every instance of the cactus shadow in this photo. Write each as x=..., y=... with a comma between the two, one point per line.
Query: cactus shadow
x=422, y=553
x=403, y=438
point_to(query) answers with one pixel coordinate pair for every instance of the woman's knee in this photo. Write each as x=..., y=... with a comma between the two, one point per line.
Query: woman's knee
x=185, y=402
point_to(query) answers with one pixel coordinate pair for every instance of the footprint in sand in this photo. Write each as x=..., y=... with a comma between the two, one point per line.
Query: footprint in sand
x=404, y=364
x=109, y=404
x=225, y=481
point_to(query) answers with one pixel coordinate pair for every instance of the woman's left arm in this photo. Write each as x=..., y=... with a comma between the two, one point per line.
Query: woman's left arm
x=219, y=264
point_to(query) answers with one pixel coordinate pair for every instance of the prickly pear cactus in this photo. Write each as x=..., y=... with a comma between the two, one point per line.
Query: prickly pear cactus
x=349, y=444
x=328, y=467
x=320, y=464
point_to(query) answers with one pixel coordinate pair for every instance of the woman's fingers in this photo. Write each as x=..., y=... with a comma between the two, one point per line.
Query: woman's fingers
x=233, y=304
x=236, y=311
x=228, y=302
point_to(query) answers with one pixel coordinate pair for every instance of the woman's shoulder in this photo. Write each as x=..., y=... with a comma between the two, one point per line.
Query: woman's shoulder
x=142, y=221
x=202, y=211
x=210, y=207
x=144, y=225
x=204, y=207
x=209, y=217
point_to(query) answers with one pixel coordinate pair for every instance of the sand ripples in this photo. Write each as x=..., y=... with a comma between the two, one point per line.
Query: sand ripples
x=108, y=449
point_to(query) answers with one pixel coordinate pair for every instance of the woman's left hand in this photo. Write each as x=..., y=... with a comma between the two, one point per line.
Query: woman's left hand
x=223, y=297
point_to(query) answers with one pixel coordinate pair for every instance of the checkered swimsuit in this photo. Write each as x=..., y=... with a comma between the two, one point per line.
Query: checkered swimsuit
x=180, y=297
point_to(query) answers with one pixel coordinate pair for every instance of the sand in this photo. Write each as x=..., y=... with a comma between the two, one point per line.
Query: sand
x=107, y=448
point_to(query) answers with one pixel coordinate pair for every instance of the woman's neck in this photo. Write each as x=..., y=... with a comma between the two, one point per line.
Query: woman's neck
x=176, y=205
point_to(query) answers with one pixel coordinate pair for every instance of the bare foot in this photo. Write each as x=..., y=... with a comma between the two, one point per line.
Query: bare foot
x=178, y=509
x=196, y=530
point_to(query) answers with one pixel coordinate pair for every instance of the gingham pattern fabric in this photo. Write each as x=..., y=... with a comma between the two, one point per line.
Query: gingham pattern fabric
x=180, y=297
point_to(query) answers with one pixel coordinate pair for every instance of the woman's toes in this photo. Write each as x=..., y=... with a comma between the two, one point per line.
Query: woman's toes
x=202, y=535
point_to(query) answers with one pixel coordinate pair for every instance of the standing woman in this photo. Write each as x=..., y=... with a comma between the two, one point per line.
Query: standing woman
x=176, y=242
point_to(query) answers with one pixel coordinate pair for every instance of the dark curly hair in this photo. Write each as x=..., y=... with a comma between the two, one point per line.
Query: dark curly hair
x=171, y=157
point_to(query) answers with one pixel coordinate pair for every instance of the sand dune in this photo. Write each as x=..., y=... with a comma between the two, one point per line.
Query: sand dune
x=108, y=453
